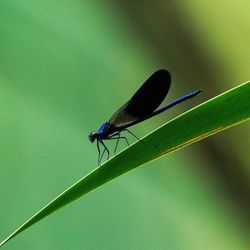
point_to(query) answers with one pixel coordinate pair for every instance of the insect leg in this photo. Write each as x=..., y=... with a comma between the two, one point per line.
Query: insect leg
x=118, y=138
x=99, y=152
x=100, y=159
x=100, y=155
x=105, y=149
x=116, y=145
x=125, y=138
x=132, y=134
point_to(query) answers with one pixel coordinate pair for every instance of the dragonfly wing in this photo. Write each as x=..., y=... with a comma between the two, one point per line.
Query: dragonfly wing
x=146, y=99
x=121, y=116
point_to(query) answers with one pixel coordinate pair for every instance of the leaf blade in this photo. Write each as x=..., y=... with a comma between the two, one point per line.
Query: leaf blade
x=217, y=114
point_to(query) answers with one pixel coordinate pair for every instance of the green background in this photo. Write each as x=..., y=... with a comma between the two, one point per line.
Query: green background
x=65, y=67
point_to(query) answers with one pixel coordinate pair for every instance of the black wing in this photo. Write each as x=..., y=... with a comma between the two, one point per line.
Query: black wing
x=146, y=99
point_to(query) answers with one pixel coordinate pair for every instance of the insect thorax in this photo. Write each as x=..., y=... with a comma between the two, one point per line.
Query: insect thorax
x=105, y=130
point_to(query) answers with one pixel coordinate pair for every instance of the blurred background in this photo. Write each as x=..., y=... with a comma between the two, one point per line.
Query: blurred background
x=65, y=67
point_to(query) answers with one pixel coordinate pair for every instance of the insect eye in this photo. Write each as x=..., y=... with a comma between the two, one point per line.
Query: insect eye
x=92, y=136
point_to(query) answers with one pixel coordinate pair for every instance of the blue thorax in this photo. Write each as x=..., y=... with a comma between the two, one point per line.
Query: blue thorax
x=104, y=129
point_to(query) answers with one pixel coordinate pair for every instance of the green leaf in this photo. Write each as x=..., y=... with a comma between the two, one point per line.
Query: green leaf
x=211, y=117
